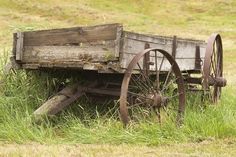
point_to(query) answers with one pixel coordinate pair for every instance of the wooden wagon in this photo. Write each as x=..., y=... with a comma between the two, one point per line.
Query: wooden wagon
x=138, y=69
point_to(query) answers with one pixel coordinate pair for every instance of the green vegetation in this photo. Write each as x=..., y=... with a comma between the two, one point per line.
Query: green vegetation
x=22, y=92
x=91, y=124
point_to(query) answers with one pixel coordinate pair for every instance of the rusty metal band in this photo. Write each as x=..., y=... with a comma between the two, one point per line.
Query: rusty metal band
x=207, y=60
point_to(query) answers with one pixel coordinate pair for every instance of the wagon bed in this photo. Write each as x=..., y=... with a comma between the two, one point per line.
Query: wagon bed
x=104, y=48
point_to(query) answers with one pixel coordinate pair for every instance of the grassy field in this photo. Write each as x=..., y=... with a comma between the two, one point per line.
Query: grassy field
x=212, y=130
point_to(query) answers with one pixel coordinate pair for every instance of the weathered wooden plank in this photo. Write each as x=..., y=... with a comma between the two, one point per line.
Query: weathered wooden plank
x=72, y=65
x=19, y=45
x=30, y=66
x=134, y=43
x=72, y=35
x=118, y=41
x=157, y=39
x=90, y=52
x=58, y=102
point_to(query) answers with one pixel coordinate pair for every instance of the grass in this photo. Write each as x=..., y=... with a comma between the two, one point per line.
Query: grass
x=22, y=92
x=86, y=123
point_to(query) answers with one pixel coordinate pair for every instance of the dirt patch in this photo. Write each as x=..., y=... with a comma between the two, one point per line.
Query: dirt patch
x=225, y=147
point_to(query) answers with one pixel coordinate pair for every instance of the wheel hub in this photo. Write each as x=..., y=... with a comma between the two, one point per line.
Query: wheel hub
x=218, y=81
x=156, y=100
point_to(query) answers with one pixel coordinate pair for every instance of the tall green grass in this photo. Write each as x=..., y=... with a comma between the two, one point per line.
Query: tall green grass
x=84, y=122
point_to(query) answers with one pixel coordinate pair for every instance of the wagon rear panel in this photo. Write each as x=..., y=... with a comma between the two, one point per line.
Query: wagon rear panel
x=69, y=47
x=185, y=55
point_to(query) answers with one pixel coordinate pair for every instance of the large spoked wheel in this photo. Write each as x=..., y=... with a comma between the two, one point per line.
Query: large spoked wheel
x=153, y=82
x=213, y=79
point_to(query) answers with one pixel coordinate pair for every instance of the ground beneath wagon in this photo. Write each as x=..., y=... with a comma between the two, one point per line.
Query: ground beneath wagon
x=226, y=147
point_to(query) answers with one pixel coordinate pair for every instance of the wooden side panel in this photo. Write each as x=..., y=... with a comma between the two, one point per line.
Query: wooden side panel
x=74, y=35
x=185, y=56
x=134, y=43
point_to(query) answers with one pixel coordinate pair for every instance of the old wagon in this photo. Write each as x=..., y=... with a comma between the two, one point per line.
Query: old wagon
x=139, y=70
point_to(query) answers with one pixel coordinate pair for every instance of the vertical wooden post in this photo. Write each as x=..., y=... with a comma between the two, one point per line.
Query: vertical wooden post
x=197, y=58
x=174, y=46
x=146, y=60
x=19, y=45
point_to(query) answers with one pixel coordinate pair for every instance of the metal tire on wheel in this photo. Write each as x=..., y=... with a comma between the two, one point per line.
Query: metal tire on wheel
x=142, y=84
x=213, y=79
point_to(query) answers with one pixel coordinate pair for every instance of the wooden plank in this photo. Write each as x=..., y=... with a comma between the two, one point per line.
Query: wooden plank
x=197, y=58
x=100, y=67
x=90, y=52
x=58, y=102
x=118, y=41
x=19, y=45
x=74, y=35
x=134, y=43
x=156, y=38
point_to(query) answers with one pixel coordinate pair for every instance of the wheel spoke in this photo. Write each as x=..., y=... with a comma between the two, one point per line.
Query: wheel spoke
x=149, y=84
x=166, y=87
x=167, y=77
x=213, y=68
x=157, y=73
x=144, y=85
x=161, y=63
x=136, y=105
x=136, y=94
x=140, y=84
x=175, y=95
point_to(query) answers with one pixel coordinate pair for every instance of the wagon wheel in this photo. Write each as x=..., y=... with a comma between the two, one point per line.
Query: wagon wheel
x=142, y=87
x=213, y=68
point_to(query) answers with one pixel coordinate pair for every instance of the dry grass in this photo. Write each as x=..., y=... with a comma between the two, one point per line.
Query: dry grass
x=221, y=148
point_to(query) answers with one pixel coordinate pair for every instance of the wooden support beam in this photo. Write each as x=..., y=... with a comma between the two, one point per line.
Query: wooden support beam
x=58, y=102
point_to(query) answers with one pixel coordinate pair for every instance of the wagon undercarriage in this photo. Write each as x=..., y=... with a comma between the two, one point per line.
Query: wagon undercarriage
x=139, y=70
